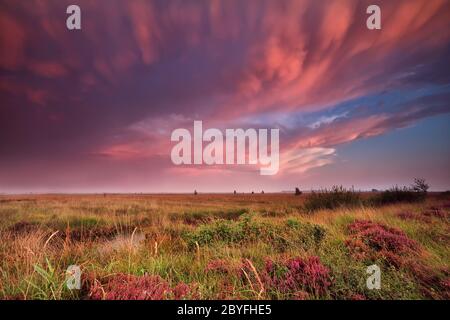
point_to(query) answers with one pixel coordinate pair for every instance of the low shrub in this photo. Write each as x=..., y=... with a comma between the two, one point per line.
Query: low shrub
x=333, y=198
x=371, y=240
x=131, y=287
x=22, y=227
x=435, y=212
x=407, y=215
x=434, y=284
x=247, y=229
x=198, y=217
x=294, y=278
x=397, y=194
x=219, y=266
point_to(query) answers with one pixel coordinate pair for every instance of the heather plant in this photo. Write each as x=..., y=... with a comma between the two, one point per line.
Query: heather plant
x=408, y=215
x=372, y=240
x=294, y=278
x=219, y=266
x=131, y=287
x=434, y=284
x=436, y=213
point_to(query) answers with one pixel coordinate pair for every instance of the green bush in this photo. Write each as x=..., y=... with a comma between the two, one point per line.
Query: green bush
x=196, y=217
x=224, y=231
x=397, y=194
x=333, y=198
x=247, y=229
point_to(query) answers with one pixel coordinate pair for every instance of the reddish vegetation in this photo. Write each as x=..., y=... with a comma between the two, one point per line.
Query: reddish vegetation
x=227, y=291
x=298, y=275
x=434, y=285
x=371, y=240
x=446, y=284
x=219, y=265
x=407, y=215
x=296, y=278
x=226, y=288
x=358, y=297
x=301, y=295
x=130, y=287
x=412, y=216
x=435, y=212
x=425, y=216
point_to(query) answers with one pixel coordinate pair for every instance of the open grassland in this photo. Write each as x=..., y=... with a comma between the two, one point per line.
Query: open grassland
x=254, y=246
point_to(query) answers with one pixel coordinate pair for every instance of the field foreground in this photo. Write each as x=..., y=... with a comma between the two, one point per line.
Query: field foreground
x=255, y=246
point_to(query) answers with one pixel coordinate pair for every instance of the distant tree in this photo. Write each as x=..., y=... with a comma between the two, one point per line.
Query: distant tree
x=262, y=191
x=235, y=192
x=297, y=192
x=195, y=192
x=253, y=192
x=374, y=190
x=420, y=185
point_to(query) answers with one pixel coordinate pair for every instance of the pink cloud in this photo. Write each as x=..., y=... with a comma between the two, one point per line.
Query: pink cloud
x=12, y=42
x=48, y=69
x=140, y=69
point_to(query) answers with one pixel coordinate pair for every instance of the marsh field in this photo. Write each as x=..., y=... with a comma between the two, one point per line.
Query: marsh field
x=223, y=246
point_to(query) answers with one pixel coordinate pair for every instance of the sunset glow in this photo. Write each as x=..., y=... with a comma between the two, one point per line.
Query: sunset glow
x=93, y=110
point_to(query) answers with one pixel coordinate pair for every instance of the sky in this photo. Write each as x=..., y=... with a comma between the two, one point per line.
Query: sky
x=92, y=110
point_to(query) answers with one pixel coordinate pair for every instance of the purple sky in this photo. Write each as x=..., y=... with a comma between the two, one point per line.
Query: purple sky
x=93, y=110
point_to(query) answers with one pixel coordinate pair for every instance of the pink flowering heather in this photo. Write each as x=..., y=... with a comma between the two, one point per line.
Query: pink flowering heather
x=227, y=290
x=219, y=266
x=297, y=277
x=435, y=212
x=130, y=287
x=183, y=291
x=407, y=215
x=301, y=295
x=380, y=237
x=446, y=283
x=433, y=284
x=357, y=296
x=411, y=216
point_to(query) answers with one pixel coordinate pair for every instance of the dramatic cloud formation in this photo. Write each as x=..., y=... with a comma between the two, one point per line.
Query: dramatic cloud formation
x=93, y=110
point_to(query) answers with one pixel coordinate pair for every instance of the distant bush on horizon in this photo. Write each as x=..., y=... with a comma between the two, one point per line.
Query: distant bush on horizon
x=416, y=193
x=333, y=198
x=397, y=194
